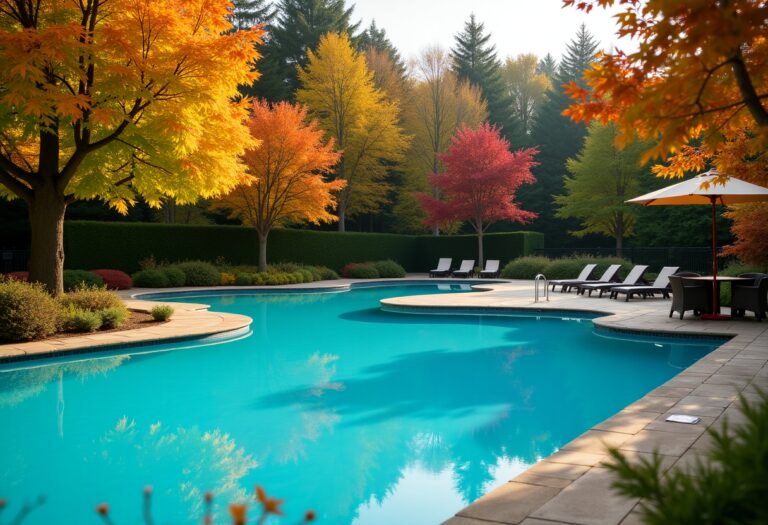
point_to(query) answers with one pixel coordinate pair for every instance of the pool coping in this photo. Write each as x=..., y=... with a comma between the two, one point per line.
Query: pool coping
x=571, y=486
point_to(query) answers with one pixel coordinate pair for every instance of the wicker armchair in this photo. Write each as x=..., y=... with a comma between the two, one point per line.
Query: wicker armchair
x=689, y=295
x=753, y=297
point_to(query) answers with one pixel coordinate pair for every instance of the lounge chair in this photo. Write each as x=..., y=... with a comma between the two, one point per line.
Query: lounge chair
x=660, y=285
x=690, y=295
x=443, y=268
x=466, y=269
x=491, y=268
x=609, y=276
x=583, y=276
x=631, y=279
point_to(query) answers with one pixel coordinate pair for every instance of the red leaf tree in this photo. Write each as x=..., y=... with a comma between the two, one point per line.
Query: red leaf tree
x=480, y=180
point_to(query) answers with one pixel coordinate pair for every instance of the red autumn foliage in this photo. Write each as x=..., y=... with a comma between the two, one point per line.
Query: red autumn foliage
x=18, y=276
x=480, y=180
x=115, y=279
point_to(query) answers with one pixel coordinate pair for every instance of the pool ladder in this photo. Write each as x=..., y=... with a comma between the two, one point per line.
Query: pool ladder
x=539, y=278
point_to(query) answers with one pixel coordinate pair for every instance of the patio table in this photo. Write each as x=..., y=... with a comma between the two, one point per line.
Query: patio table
x=720, y=279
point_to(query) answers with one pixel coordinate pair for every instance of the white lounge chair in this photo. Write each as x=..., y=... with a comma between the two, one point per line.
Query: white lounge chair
x=466, y=269
x=491, y=269
x=583, y=276
x=443, y=268
x=660, y=285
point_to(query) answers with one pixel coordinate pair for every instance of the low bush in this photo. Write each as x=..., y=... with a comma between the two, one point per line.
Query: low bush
x=389, y=269
x=243, y=279
x=115, y=279
x=18, y=276
x=199, y=273
x=75, y=278
x=284, y=267
x=226, y=279
x=78, y=320
x=26, y=311
x=91, y=298
x=565, y=268
x=525, y=267
x=151, y=278
x=176, y=277
x=161, y=312
x=326, y=274
x=113, y=317
x=360, y=271
x=307, y=275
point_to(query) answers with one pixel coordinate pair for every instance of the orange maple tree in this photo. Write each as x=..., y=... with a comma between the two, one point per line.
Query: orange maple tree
x=697, y=86
x=110, y=99
x=285, y=181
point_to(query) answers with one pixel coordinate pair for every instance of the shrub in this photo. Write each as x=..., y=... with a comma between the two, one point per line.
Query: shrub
x=91, y=298
x=307, y=274
x=284, y=267
x=565, y=268
x=360, y=271
x=389, y=269
x=26, y=311
x=161, y=312
x=727, y=486
x=18, y=276
x=243, y=279
x=199, y=273
x=176, y=277
x=113, y=317
x=326, y=274
x=733, y=269
x=75, y=278
x=151, y=279
x=525, y=267
x=78, y=320
x=226, y=279
x=115, y=279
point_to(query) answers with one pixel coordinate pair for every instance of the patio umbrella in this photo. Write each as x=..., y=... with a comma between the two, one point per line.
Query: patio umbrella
x=690, y=191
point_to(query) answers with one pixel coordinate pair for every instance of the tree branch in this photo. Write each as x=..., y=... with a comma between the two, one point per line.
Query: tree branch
x=747, y=89
x=16, y=186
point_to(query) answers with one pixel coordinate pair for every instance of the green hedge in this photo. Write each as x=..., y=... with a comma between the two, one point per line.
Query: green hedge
x=121, y=245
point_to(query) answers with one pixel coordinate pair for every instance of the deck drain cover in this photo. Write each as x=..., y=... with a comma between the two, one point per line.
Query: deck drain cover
x=680, y=418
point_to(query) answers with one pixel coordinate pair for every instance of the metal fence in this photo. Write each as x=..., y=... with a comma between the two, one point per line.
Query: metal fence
x=694, y=259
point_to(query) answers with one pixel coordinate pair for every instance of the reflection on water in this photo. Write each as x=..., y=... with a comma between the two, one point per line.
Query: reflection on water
x=369, y=417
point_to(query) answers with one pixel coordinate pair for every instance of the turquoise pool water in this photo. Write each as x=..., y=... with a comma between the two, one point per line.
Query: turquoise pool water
x=368, y=417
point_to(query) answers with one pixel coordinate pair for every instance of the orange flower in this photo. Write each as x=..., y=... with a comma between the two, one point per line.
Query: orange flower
x=103, y=509
x=309, y=516
x=269, y=505
x=237, y=511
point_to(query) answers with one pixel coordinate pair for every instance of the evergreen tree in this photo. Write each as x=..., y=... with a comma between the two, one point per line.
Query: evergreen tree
x=376, y=38
x=475, y=60
x=559, y=138
x=297, y=29
x=249, y=13
x=547, y=66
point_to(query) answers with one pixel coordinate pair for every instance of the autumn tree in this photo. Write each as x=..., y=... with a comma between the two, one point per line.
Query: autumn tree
x=439, y=103
x=526, y=89
x=246, y=14
x=475, y=60
x=375, y=38
x=112, y=99
x=285, y=183
x=602, y=177
x=338, y=89
x=480, y=180
x=697, y=86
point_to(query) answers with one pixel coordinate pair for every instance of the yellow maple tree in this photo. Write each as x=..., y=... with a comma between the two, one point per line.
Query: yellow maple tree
x=285, y=173
x=338, y=89
x=110, y=99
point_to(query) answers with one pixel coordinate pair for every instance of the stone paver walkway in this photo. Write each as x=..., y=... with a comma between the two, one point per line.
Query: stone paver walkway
x=572, y=486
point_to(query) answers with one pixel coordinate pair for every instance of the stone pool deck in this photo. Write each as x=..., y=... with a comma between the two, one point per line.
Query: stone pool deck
x=571, y=486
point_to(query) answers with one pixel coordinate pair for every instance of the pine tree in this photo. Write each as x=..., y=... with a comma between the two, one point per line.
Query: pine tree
x=297, y=29
x=559, y=138
x=249, y=13
x=475, y=60
x=547, y=66
x=376, y=38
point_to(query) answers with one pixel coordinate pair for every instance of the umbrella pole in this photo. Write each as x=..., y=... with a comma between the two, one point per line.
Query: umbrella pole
x=715, y=295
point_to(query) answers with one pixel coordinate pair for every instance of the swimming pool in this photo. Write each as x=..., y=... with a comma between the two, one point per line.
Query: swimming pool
x=367, y=416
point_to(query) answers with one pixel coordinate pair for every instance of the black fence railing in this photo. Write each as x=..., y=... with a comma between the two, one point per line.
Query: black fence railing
x=13, y=260
x=694, y=259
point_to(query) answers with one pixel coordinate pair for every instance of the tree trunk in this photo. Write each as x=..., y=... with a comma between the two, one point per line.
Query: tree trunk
x=619, y=234
x=263, y=251
x=46, y=221
x=480, y=248
x=342, y=219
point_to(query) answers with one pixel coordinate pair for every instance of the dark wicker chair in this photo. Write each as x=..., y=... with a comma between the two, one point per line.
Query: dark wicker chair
x=752, y=297
x=689, y=295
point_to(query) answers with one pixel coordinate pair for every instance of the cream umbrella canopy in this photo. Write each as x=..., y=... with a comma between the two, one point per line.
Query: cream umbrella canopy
x=703, y=189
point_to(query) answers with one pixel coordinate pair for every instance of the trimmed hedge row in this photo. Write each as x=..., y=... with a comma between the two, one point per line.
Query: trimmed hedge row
x=121, y=245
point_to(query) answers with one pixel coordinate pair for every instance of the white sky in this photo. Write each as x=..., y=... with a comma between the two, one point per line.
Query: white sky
x=517, y=26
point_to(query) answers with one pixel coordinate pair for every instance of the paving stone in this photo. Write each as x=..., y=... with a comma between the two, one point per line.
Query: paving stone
x=693, y=409
x=726, y=391
x=708, y=401
x=544, y=481
x=558, y=470
x=627, y=422
x=460, y=520
x=574, y=457
x=596, y=441
x=590, y=500
x=667, y=443
x=652, y=404
x=669, y=391
x=510, y=503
